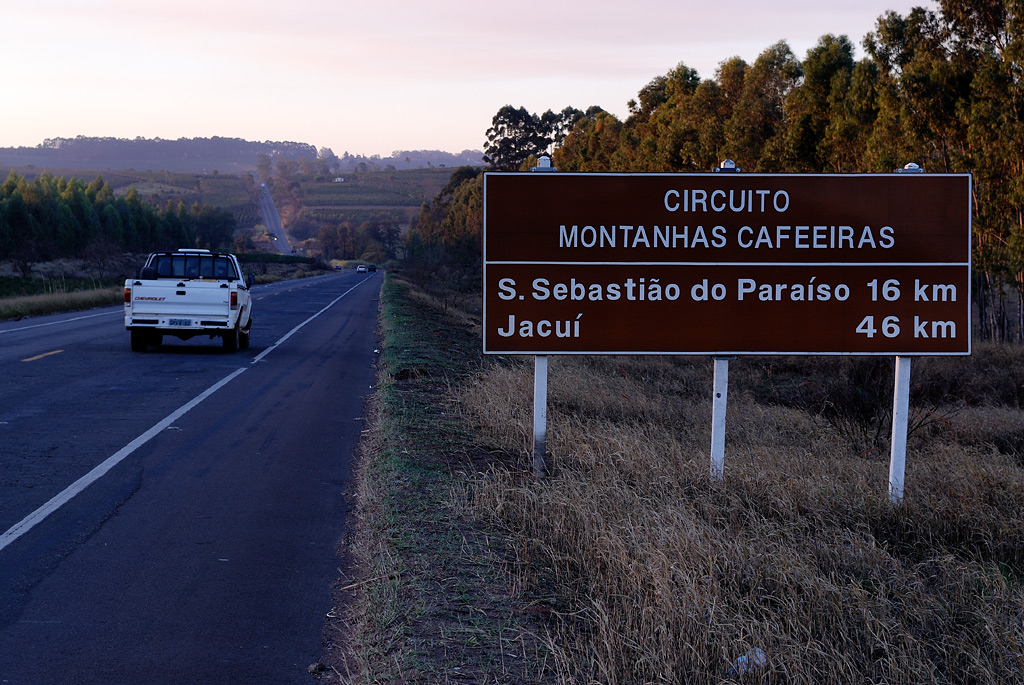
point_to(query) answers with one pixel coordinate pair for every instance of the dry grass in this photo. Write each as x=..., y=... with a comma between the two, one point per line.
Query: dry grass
x=649, y=571
x=37, y=305
x=425, y=597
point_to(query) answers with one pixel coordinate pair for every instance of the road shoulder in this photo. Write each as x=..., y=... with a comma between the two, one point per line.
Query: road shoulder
x=424, y=595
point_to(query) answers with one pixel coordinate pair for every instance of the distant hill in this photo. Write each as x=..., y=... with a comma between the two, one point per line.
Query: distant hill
x=206, y=155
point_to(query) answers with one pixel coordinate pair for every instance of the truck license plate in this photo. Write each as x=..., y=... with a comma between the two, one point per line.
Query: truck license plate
x=179, y=322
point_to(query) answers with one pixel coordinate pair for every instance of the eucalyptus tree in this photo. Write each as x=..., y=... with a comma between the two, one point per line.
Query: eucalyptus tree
x=555, y=126
x=755, y=133
x=590, y=145
x=986, y=36
x=853, y=115
x=929, y=86
x=514, y=135
x=629, y=156
x=827, y=72
x=21, y=237
x=654, y=135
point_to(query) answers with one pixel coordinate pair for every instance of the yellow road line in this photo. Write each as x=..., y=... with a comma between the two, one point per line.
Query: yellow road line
x=40, y=356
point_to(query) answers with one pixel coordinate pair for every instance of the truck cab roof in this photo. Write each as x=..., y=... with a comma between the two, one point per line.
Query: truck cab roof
x=188, y=264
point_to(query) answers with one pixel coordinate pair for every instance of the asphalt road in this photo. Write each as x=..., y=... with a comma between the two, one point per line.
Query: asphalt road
x=272, y=219
x=198, y=541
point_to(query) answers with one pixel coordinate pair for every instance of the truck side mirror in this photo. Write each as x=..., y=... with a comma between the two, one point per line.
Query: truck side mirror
x=250, y=280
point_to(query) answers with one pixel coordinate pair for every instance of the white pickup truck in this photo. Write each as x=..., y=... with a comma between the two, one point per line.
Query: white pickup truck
x=188, y=293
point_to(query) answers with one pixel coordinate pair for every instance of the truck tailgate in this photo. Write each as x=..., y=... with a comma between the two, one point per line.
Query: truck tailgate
x=171, y=299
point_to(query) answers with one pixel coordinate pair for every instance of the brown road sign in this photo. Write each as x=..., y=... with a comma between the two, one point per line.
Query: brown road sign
x=726, y=264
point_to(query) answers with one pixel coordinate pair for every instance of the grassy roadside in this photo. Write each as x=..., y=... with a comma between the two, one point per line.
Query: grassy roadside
x=795, y=569
x=53, y=303
x=630, y=565
x=428, y=597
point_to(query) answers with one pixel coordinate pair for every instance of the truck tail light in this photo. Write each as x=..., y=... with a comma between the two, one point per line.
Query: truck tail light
x=234, y=300
x=127, y=295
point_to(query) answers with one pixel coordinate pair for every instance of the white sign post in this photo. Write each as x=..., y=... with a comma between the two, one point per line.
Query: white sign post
x=720, y=401
x=720, y=385
x=900, y=422
x=540, y=415
x=540, y=385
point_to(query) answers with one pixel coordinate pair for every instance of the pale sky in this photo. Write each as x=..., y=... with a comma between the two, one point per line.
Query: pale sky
x=373, y=76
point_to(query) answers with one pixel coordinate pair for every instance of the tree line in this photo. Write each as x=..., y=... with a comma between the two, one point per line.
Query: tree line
x=231, y=155
x=51, y=218
x=181, y=155
x=941, y=89
x=374, y=241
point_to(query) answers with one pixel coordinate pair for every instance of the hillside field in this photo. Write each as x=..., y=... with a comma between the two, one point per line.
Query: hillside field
x=392, y=196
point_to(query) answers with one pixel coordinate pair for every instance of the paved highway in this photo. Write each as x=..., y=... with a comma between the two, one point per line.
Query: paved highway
x=272, y=219
x=172, y=516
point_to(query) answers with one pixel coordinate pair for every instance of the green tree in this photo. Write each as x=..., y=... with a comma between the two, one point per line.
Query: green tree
x=652, y=136
x=590, y=145
x=286, y=168
x=514, y=135
x=827, y=72
x=214, y=227
x=337, y=240
x=556, y=126
x=854, y=111
x=264, y=167
x=921, y=89
x=986, y=37
x=22, y=229
x=86, y=221
x=443, y=245
x=754, y=134
x=112, y=225
x=176, y=229
x=983, y=25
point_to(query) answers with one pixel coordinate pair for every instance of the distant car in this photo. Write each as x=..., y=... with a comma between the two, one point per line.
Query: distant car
x=337, y=267
x=372, y=267
x=361, y=269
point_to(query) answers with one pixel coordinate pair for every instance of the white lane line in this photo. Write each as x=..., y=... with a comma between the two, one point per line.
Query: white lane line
x=42, y=356
x=54, y=323
x=295, y=330
x=26, y=524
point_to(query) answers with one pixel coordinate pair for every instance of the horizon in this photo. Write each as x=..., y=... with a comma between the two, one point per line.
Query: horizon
x=369, y=80
x=390, y=155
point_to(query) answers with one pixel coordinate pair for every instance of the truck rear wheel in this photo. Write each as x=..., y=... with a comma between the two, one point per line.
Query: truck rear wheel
x=232, y=340
x=140, y=340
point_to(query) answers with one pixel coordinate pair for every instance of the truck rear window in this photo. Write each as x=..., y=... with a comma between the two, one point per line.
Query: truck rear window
x=194, y=266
